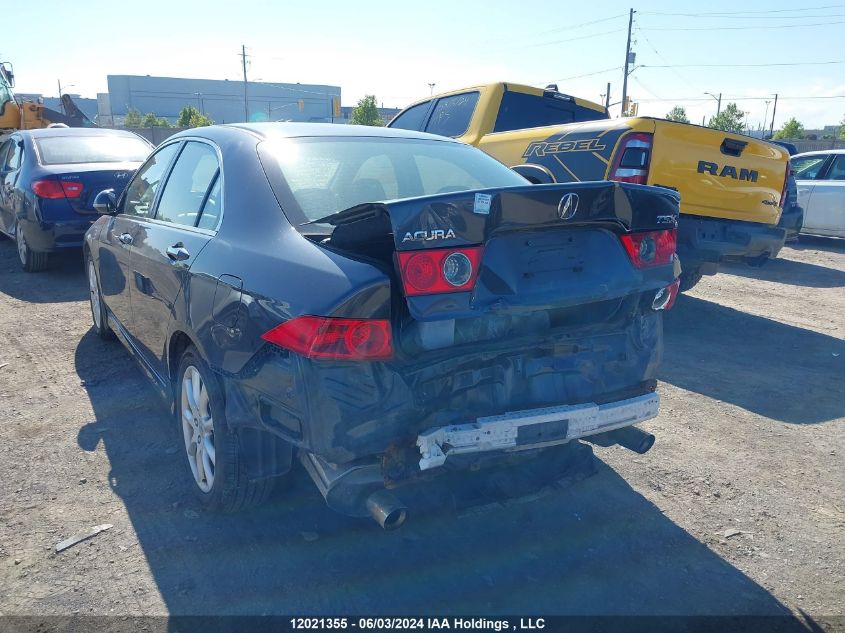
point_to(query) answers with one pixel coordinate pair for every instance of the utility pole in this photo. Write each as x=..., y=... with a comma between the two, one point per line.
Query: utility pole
x=774, y=109
x=59, y=81
x=607, y=96
x=627, y=58
x=246, y=98
x=431, y=89
x=765, y=118
x=719, y=104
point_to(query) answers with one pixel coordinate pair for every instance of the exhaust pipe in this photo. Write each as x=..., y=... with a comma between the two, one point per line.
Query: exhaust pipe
x=355, y=490
x=386, y=509
x=633, y=439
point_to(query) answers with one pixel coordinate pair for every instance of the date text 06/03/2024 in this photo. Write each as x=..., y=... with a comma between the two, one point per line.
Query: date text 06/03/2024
x=464, y=624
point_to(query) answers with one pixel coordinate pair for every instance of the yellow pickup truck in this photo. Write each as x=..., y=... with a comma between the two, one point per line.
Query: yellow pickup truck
x=731, y=185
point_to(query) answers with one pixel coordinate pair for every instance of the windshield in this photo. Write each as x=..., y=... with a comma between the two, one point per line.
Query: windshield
x=322, y=176
x=64, y=150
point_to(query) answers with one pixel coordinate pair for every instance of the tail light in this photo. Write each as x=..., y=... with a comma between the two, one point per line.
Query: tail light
x=785, y=185
x=54, y=189
x=664, y=299
x=439, y=270
x=632, y=159
x=651, y=248
x=334, y=339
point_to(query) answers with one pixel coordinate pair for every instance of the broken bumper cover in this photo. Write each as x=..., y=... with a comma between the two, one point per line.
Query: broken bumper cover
x=533, y=428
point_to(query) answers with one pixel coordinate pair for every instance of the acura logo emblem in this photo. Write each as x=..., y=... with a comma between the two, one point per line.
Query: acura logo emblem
x=568, y=206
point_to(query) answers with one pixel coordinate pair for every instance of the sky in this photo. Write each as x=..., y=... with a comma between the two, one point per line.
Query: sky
x=747, y=52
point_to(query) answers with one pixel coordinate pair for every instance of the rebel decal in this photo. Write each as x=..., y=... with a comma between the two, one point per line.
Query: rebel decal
x=544, y=148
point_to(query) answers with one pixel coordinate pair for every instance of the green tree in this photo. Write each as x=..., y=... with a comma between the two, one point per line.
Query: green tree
x=366, y=112
x=189, y=116
x=133, y=118
x=678, y=114
x=792, y=129
x=730, y=119
x=842, y=129
x=151, y=120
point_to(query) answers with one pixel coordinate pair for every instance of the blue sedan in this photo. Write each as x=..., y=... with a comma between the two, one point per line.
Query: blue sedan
x=48, y=181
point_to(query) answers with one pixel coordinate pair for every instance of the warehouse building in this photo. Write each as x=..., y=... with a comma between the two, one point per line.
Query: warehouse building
x=221, y=100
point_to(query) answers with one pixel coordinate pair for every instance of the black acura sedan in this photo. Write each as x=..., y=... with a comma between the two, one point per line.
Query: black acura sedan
x=48, y=181
x=378, y=304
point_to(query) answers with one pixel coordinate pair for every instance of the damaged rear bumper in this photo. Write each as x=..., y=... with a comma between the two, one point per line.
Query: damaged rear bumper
x=532, y=428
x=703, y=241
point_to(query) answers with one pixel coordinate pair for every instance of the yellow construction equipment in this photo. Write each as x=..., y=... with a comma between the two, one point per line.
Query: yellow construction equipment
x=18, y=114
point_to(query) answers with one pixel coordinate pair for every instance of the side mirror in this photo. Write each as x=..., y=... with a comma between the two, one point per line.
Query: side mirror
x=106, y=202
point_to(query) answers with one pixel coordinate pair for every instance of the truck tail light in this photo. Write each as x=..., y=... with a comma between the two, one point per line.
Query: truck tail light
x=785, y=185
x=632, y=159
x=54, y=189
x=333, y=338
x=440, y=270
x=650, y=248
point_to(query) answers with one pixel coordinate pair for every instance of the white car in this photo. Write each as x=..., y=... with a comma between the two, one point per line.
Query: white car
x=821, y=191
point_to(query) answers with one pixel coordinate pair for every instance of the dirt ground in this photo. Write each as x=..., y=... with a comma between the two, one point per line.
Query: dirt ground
x=738, y=509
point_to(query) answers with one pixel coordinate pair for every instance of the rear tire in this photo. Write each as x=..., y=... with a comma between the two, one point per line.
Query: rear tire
x=689, y=279
x=212, y=455
x=99, y=316
x=31, y=261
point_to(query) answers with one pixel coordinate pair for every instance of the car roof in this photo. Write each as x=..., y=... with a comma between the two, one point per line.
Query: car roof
x=296, y=130
x=77, y=131
x=820, y=152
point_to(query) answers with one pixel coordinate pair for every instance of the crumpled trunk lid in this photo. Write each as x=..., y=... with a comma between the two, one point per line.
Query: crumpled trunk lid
x=545, y=246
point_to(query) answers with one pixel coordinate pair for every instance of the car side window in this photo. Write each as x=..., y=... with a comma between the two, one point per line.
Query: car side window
x=4, y=152
x=15, y=155
x=141, y=192
x=210, y=215
x=808, y=167
x=837, y=169
x=451, y=115
x=188, y=183
x=412, y=118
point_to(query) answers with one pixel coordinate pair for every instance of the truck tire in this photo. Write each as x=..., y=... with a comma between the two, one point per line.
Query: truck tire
x=31, y=261
x=689, y=279
x=212, y=456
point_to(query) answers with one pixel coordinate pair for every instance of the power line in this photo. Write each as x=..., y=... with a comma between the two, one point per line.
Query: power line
x=568, y=39
x=726, y=98
x=801, y=10
x=744, y=27
x=570, y=27
x=730, y=16
x=740, y=65
x=597, y=72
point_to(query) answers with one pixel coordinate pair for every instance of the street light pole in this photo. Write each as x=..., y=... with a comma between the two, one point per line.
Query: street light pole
x=431, y=89
x=718, y=101
x=766, y=116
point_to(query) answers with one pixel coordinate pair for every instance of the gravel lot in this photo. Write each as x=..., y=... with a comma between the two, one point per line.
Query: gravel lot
x=738, y=509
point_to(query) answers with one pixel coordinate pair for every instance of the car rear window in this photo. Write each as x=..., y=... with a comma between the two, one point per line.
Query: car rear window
x=321, y=176
x=68, y=150
x=520, y=110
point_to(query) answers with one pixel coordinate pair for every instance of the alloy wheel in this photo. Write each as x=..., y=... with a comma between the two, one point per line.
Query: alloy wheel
x=94, y=291
x=198, y=428
x=20, y=241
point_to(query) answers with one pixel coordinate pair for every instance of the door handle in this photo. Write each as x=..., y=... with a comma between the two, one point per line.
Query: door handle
x=178, y=252
x=125, y=238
